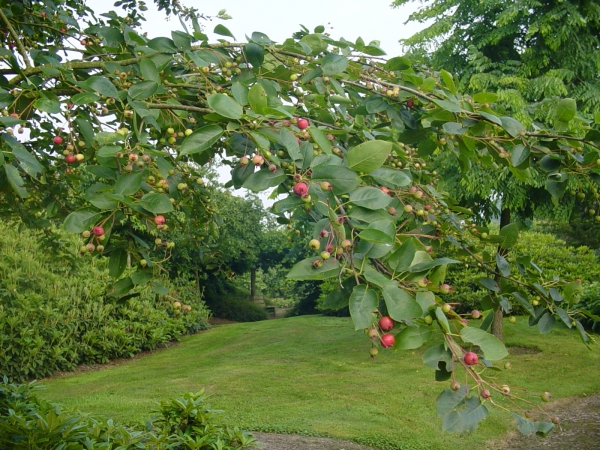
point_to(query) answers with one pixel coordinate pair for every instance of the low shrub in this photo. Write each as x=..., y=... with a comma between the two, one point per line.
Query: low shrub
x=27, y=422
x=57, y=310
x=590, y=302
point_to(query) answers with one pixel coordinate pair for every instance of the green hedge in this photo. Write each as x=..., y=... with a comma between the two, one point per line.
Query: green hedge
x=27, y=422
x=55, y=312
x=551, y=254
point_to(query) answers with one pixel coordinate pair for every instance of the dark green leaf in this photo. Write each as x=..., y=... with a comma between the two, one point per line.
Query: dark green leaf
x=370, y=198
x=341, y=178
x=117, y=263
x=254, y=54
x=264, y=179
x=333, y=64
x=81, y=220
x=223, y=31
x=201, y=140
x=143, y=90
x=502, y=265
x=433, y=356
x=15, y=180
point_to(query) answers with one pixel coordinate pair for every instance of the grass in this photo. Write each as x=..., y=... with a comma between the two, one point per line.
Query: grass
x=312, y=375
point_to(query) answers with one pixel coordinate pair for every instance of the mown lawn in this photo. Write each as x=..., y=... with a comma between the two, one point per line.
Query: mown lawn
x=313, y=375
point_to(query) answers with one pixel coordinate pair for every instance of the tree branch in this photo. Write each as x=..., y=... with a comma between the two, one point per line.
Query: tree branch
x=178, y=107
x=15, y=36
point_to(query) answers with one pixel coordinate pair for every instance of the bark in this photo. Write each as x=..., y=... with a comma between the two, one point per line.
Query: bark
x=252, y=283
x=497, y=326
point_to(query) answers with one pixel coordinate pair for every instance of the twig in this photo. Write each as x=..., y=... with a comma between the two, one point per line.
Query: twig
x=15, y=36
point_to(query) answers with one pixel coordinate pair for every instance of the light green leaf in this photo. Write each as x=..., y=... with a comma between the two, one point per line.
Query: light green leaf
x=492, y=348
x=566, y=110
x=304, y=270
x=363, y=303
x=341, y=178
x=156, y=203
x=380, y=232
x=143, y=90
x=448, y=81
x=128, y=183
x=103, y=86
x=225, y=106
x=520, y=155
x=333, y=64
x=320, y=139
x=257, y=97
x=392, y=178
x=15, y=180
x=82, y=219
x=370, y=198
x=264, y=179
x=368, y=156
x=485, y=97
x=510, y=235
x=149, y=71
x=400, y=304
x=201, y=140
x=412, y=337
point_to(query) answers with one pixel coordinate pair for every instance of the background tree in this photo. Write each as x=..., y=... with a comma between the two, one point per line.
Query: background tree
x=118, y=134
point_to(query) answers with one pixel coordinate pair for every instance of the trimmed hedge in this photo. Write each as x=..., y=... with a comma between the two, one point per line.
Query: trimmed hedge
x=56, y=312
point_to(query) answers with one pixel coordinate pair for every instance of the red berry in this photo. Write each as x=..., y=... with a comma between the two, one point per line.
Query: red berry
x=301, y=189
x=387, y=340
x=471, y=359
x=386, y=323
x=302, y=124
x=98, y=231
x=410, y=103
x=159, y=220
x=486, y=393
x=70, y=159
x=57, y=140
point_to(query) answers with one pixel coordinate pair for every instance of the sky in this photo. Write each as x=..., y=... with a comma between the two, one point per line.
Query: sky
x=350, y=19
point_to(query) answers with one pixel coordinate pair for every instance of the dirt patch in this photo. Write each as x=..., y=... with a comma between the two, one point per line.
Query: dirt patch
x=269, y=441
x=215, y=321
x=514, y=351
x=579, y=428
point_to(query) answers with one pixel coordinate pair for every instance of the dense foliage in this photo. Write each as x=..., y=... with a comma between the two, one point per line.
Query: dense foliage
x=58, y=312
x=26, y=422
x=115, y=137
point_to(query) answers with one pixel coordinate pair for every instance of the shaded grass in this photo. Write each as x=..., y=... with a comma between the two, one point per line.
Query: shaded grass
x=313, y=375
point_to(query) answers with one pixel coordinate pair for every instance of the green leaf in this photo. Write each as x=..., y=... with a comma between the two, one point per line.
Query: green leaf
x=488, y=283
x=82, y=219
x=566, y=110
x=370, y=198
x=492, y=348
x=427, y=265
x=201, y=140
x=156, y=203
x=520, y=155
x=527, y=427
x=502, y=265
x=27, y=161
x=380, y=232
x=121, y=287
x=117, y=263
x=84, y=98
x=400, y=304
x=225, y=106
x=240, y=93
x=466, y=419
x=398, y=63
x=15, y=180
x=448, y=81
x=509, y=235
x=363, y=303
x=143, y=90
x=341, y=178
x=104, y=201
x=320, y=139
x=402, y=258
x=436, y=354
x=442, y=319
x=412, y=337
x=182, y=40
x=333, y=64
x=304, y=270
x=448, y=105
x=223, y=31
x=162, y=44
x=264, y=179
x=368, y=156
x=392, y=178
x=149, y=71
x=128, y=183
x=512, y=126
x=454, y=128
x=49, y=105
x=254, y=54
x=257, y=97
x=449, y=400
x=485, y=97
x=546, y=322
x=103, y=86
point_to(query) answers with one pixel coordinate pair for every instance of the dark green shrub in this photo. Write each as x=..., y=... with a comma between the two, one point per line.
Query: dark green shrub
x=27, y=422
x=56, y=312
x=590, y=302
x=552, y=255
x=238, y=308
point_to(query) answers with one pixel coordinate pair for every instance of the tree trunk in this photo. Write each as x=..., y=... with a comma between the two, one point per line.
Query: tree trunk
x=253, y=283
x=497, y=326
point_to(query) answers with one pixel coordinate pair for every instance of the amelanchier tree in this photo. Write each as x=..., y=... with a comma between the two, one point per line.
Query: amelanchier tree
x=104, y=131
